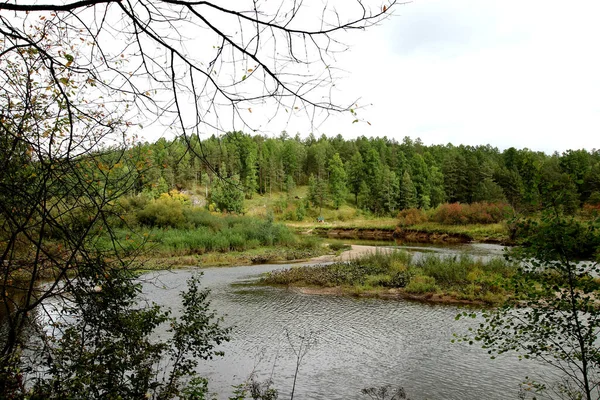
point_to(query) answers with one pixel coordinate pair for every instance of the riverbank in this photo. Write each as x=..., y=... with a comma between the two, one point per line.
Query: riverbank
x=263, y=255
x=427, y=232
x=314, y=254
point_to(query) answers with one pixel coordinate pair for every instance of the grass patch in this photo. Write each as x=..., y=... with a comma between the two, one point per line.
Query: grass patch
x=477, y=232
x=209, y=239
x=461, y=277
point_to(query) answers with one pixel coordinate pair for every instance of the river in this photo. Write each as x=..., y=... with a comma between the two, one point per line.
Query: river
x=359, y=342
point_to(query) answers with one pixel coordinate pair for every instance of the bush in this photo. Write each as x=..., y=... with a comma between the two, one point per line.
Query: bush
x=475, y=213
x=411, y=216
x=198, y=218
x=309, y=243
x=164, y=212
x=422, y=284
x=300, y=212
x=345, y=215
x=590, y=211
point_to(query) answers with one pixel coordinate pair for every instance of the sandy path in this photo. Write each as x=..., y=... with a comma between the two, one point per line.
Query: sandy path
x=355, y=252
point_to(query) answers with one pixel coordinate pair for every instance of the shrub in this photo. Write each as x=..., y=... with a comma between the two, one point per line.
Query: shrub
x=411, y=216
x=422, y=284
x=399, y=279
x=378, y=280
x=446, y=269
x=198, y=217
x=308, y=243
x=345, y=215
x=300, y=212
x=228, y=196
x=590, y=210
x=475, y=213
x=164, y=212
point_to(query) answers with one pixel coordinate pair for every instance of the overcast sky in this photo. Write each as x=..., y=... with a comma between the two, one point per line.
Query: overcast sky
x=521, y=73
x=506, y=73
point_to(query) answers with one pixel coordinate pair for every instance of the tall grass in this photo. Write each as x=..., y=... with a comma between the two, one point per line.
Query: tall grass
x=463, y=277
x=167, y=226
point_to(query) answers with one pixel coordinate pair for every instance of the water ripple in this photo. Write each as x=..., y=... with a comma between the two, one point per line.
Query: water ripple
x=359, y=343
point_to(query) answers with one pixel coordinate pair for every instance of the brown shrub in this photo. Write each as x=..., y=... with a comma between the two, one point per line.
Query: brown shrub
x=475, y=213
x=411, y=216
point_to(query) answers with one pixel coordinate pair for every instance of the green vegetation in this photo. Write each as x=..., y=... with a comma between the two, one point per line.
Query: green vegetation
x=476, y=221
x=450, y=277
x=377, y=176
x=109, y=332
x=556, y=319
x=170, y=226
x=477, y=193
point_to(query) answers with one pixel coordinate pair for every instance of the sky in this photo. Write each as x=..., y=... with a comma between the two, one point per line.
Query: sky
x=475, y=72
x=508, y=73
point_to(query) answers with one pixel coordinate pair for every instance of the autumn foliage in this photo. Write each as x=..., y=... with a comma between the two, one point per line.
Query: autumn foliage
x=475, y=213
x=411, y=216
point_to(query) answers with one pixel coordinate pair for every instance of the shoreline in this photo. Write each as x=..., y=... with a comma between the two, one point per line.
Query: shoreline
x=357, y=251
x=388, y=294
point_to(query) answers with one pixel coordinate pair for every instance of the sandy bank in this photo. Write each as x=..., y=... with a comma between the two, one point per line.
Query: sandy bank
x=354, y=252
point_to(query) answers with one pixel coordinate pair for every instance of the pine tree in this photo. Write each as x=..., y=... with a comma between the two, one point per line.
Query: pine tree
x=391, y=190
x=251, y=181
x=408, y=192
x=364, y=196
x=355, y=174
x=337, y=181
x=373, y=177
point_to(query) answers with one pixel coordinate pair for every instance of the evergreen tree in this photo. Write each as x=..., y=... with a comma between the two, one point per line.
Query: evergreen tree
x=251, y=180
x=355, y=174
x=290, y=186
x=364, y=196
x=373, y=178
x=436, y=183
x=408, y=192
x=317, y=191
x=489, y=191
x=512, y=185
x=419, y=174
x=228, y=196
x=312, y=189
x=391, y=190
x=337, y=181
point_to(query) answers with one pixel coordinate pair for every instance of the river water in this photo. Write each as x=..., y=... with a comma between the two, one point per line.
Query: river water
x=358, y=342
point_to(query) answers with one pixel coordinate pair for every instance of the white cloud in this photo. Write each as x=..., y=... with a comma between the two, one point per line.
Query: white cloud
x=509, y=73
x=479, y=72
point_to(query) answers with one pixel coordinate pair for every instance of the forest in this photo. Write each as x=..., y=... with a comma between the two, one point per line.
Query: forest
x=86, y=209
x=379, y=175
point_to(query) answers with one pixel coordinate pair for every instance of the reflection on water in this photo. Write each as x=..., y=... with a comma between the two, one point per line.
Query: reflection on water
x=360, y=342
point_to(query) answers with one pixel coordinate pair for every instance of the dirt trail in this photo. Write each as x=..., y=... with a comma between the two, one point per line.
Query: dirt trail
x=355, y=252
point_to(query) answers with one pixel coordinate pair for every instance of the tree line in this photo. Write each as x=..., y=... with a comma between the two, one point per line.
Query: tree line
x=380, y=175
